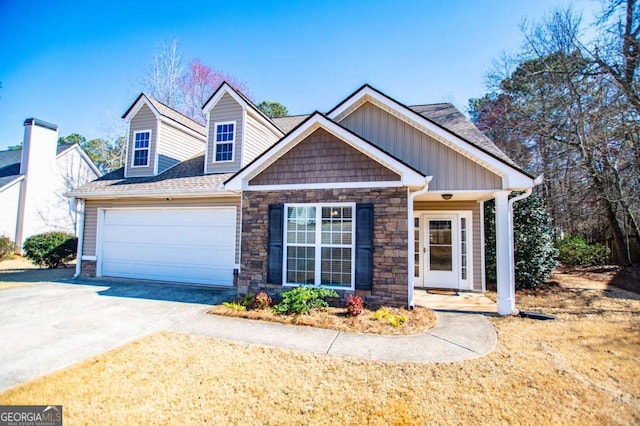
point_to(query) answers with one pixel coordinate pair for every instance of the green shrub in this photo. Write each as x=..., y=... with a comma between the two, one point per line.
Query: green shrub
x=7, y=247
x=303, y=299
x=535, y=253
x=396, y=320
x=51, y=249
x=574, y=251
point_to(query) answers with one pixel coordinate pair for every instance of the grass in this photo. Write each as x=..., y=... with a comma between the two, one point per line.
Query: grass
x=583, y=369
x=416, y=321
x=16, y=271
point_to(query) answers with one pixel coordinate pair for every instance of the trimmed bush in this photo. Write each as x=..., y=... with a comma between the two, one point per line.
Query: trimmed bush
x=355, y=305
x=7, y=247
x=574, y=251
x=51, y=249
x=262, y=301
x=535, y=253
x=303, y=299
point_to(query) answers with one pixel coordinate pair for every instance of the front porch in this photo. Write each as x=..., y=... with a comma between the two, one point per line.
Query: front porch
x=447, y=251
x=454, y=301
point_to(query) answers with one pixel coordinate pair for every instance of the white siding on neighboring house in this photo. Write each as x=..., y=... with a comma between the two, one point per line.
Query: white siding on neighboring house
x=226, y=110
x=9, y=200
x=143, y=120
x=72, y=171
x=450, y=169
x=257, y=140
x=176, y=146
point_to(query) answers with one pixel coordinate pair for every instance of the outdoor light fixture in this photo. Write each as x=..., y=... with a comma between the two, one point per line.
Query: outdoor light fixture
x=447, y=197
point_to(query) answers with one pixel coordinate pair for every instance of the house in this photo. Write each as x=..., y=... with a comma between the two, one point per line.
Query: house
x=373, y=198
x=34, y=180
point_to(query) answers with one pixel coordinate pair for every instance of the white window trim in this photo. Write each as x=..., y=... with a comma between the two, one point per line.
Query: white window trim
x=318, y=245
x=232, y=141
x=134, y=149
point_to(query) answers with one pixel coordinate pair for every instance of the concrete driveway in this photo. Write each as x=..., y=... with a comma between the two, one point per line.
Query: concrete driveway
x=47, y=326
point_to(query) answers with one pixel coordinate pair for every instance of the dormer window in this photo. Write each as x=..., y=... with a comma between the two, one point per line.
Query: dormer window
x=141, y=148
x=225, y=139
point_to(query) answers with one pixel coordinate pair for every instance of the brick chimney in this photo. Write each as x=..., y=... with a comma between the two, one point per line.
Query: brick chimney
x=38, y=167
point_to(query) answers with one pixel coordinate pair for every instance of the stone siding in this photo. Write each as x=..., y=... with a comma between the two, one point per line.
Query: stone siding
x=323, y=158
x=88, y=268
x=390, y=250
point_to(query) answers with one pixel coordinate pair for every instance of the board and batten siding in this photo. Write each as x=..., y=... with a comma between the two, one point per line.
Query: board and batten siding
x=227, y=109
x=144, y=119
x=450, y=169
x=257, y=140
x=176, y=146
x=474, y=206
x=92, y=206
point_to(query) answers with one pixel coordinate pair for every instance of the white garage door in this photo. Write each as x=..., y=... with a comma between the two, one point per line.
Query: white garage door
x=182, y=245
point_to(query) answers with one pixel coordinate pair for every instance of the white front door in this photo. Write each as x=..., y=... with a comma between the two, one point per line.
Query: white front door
x=441, y=251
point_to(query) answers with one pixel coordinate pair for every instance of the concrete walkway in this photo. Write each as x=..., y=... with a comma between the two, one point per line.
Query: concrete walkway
x=47, y=326
x=456, y=337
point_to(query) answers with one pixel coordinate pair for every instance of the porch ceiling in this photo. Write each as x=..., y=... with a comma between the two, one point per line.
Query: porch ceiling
x=455, y=196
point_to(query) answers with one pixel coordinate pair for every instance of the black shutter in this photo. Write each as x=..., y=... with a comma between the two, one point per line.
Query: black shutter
x=274, y=244
x=364, y=246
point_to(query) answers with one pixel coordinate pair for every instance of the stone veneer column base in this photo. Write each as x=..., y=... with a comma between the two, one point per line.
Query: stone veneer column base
x=88, y=268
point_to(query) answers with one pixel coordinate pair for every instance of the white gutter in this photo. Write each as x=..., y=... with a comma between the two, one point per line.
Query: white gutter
x=411, y=239
x=512, y=201
x=79, y=232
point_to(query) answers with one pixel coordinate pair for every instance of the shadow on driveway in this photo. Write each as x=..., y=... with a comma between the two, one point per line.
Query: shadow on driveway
x=153, y=290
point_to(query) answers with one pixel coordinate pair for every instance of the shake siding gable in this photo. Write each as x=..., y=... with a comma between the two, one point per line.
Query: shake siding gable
x=227, y=109
x=176, y=146
x=450, y=169
x=145, y=119
x=323, y=158
x=257, y=140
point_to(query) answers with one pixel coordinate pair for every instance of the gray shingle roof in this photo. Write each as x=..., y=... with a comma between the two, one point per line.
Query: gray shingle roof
x=286, y=124
x=449, y=117
x=171, y=114
x=186, y=177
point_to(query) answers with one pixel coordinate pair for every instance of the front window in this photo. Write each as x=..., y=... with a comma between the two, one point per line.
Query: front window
x=320, y=245
x=225, y=138
x=141, y=148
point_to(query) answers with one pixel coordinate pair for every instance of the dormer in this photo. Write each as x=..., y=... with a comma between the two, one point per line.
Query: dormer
x=159, y=137
x=237, y=131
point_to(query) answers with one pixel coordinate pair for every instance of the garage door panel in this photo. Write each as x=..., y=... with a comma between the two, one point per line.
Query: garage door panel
x=181, y=245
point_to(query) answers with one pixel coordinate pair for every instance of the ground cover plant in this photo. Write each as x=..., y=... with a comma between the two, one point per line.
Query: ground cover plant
x=307, y=306
x=582, y=369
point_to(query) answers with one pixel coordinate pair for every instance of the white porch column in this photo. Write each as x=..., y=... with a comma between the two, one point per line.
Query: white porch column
x=504, y=260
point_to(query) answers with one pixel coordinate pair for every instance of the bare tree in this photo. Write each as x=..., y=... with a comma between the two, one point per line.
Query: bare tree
x=162, y=79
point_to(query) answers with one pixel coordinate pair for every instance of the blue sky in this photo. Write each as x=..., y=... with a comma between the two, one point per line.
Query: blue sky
x=80, y=64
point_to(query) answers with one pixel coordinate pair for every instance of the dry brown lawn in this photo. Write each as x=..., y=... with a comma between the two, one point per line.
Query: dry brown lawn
x=418, y=320
x=16, y=271
x=583, y=369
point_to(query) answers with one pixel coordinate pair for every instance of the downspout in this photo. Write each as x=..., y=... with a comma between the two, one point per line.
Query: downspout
x=512, y=272
x=79, y=231
x=411, y=239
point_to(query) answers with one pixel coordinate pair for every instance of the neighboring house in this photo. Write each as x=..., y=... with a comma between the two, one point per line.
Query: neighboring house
x=34, y=181
x=373, y=198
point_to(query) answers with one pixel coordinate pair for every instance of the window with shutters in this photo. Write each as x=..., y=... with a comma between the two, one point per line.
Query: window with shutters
x=319, y=245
